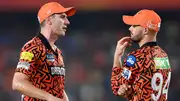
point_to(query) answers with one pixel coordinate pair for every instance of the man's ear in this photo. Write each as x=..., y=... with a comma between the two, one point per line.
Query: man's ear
x=49, y=21
x=146, y=31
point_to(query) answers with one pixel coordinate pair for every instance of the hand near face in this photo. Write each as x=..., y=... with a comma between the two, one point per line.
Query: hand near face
x=121, y=45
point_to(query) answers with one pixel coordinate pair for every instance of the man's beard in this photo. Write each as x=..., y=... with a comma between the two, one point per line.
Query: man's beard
x=135, y=40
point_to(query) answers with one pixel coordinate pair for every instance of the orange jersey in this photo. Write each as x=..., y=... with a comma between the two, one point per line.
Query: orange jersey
x=148, y=72
x=43, y=66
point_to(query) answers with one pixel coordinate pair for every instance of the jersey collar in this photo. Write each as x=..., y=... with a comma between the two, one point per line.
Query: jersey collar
x=44, y=40
x=149, y=44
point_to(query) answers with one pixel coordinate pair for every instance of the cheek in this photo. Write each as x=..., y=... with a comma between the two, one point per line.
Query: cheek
x=135, y=32
x=58, y=26
x=61, y=22
x=138, y=32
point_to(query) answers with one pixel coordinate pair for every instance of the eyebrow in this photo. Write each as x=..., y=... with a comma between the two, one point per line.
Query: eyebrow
x=135, y=25
x=61, y=14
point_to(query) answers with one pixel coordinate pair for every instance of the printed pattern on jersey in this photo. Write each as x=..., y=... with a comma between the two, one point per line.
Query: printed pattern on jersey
x=142, y=73
x=43, y=72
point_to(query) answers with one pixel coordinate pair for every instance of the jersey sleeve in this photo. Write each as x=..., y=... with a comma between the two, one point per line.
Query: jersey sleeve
x=28, y=61
x=125, y=75
x=115, y=79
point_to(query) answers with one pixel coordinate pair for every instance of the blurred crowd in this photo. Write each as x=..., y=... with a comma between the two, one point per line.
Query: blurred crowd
x=88, y=49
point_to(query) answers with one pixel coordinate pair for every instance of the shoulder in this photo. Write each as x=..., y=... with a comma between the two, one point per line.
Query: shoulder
x=159, y=52
x=33, y=48
x=33, y=44
x=137, y=57
x=143, y=53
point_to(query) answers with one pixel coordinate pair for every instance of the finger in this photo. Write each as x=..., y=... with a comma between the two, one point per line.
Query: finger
x=129, y=86
x=128, y=39
x=121, y=92
x=129, y=44
x=124, y=39
x=124, y=45
x=125, y=87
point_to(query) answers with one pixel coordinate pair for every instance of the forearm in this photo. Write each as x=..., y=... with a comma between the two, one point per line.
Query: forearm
x=115, y=75
x=117, y=61
x=115, y=79
x=26, y=88
x=117, y=82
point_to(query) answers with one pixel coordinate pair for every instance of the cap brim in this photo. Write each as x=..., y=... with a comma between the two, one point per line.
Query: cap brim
x=129, y=20
x=70, y=11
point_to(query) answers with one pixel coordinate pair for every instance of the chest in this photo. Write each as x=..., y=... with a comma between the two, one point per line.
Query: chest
x=54, y=59
x=52, y=63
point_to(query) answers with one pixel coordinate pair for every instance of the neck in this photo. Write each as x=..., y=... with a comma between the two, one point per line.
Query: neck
x=49, y=36
x=147, y=39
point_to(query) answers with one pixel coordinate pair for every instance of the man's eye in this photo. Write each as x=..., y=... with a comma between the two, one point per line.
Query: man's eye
x=63, y=16
x=135, y=25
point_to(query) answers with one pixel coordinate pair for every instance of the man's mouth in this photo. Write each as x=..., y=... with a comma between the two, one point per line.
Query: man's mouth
x=64, y=28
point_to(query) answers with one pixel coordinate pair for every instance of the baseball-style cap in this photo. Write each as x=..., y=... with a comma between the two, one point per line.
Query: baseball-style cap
x=145, y=18
x=51, y=8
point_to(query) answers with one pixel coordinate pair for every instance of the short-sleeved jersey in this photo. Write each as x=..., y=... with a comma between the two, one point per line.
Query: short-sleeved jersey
x=43, y=65
x=148, y=72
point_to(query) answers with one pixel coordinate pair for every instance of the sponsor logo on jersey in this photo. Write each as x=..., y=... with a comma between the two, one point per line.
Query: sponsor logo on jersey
x=27, y=56
x=126, y=73
x=130, y=61
x=24, y=65
x=162, y=63
x=50, y=57
x=58, y=71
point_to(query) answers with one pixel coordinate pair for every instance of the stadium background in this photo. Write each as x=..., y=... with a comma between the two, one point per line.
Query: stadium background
x=89, y=43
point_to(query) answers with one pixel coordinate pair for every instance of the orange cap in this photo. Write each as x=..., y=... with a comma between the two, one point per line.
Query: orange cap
x=145, y=18
x=51, y=8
